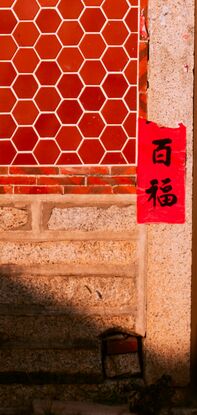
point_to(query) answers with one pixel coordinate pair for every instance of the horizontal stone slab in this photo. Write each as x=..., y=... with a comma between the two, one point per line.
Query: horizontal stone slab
x=69, y=252
x=90, y=218
x=71, y=293
x=70, y=362
x=73, y=331
x=21, y=396
x=48, y=378
x=78, y=408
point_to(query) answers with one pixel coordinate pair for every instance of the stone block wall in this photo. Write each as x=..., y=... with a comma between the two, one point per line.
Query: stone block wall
x=72, y=269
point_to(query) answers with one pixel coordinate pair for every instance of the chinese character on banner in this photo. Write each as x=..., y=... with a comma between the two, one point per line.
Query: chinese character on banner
x=161, y=173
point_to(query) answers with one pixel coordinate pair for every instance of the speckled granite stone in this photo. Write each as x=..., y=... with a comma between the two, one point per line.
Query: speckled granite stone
x=77, y=293
x=69, y=252
x=12, y=218
x=92, y=218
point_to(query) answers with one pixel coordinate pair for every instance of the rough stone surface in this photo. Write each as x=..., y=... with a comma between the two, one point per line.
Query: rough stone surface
x=122, y=364
x=72, y=362
x=110, y=218
x=22, y=396
x=41, y=330
x=69, y=252
x=74, y=293
x=77, y=408
x=171, y=26
x=12, y=218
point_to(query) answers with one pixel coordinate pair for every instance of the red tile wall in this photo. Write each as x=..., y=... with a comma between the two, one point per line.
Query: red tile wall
x=73, y=81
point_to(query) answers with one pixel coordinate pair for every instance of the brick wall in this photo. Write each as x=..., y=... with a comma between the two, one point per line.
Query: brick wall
x=64, y=180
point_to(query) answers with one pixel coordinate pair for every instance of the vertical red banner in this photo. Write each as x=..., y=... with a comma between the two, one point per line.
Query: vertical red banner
x=161, y=173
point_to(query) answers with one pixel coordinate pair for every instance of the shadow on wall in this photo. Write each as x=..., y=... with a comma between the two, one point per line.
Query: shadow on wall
x=54, y=348
x=59, y=349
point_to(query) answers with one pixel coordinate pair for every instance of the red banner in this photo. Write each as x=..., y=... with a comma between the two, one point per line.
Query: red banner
x=161, y=173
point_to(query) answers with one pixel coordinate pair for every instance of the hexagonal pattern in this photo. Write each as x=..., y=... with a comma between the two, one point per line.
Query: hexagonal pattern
x=25, y=60
x=46, y=152
x=69, y=111
x=92, y=20
x=115, y=9
x=113, y=138
x=91, y=125
x=47, y=98
x=70, y=33
x=26, y=34
x=70, y=85
x=68, y=81
x=25, y=112
x=70, y=59
x=92, y=98
x=91, y=151
x=69, y=138
x=47, y=125
x=92, y=46
x=48, y=46
x=70, y=9
x=115, y=32
x=115, y=59
x=48, y=20
x=114, y=112
x=48, y=73
x=25, y=138
x=93, y=72
x=25, y=86
x=115, y=85
x=25, y=9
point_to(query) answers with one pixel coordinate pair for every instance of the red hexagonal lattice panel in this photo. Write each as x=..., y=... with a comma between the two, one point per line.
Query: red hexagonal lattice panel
x=26, y=34
x=25, y=86
x=70, y=85
x=69, y=138
x=69, y=81
x=25, y=138
x=48, y=20
x=69, y=111
x=115, y=9
x=47, y=98
x=92, y=98
x=47, y=125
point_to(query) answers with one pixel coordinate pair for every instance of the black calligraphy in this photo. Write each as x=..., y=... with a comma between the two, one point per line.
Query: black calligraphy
x=162, y=153
x=161, y=193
